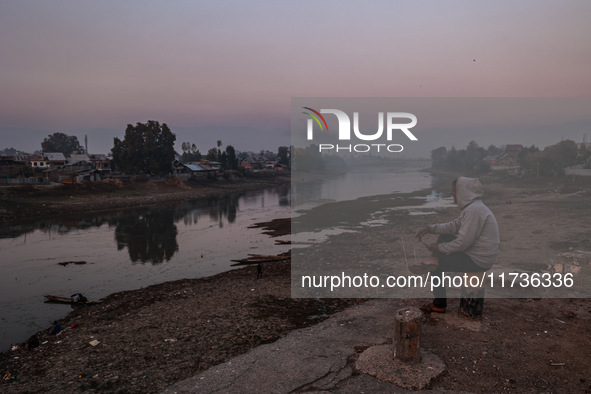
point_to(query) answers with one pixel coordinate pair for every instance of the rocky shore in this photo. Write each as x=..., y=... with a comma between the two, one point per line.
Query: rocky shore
x=151, y=338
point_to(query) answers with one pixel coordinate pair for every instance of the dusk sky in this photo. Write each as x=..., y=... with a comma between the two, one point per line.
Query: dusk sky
x=228, y=69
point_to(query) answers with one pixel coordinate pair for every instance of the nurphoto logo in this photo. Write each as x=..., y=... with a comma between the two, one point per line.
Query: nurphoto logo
x=344, y=131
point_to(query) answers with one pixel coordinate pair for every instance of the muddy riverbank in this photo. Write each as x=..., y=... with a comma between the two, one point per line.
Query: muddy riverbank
x=22, y=203
x=153, y=337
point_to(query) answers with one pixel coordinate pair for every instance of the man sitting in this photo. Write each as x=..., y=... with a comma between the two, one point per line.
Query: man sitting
x=469, y=243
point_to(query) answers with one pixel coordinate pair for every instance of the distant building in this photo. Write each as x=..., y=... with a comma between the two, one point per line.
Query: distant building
x=193, y=171
x=252, y=163
x=38, y=161
x=55, y=159
x=76, y=158
x=100, y=162
x=516, y=148
x=12, y=168
x=508, y=160
x=490, y=159
x=213, y=164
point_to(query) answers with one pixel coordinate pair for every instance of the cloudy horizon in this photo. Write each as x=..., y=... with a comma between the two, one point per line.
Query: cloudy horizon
x=228, y=70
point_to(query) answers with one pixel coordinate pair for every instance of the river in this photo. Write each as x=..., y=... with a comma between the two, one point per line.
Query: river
x=130, y=249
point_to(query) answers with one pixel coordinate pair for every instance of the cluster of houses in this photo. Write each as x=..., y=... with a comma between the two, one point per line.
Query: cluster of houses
x=81, y=167
x=257, y=163
x=207, y=169
x=54, y=166
x=508, y=161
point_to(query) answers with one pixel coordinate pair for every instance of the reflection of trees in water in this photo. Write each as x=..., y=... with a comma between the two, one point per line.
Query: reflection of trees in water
x=59, y=226
x=224, y=208
x=150, y=236
x=283, y=191
x=217, y=209
x=191, y=218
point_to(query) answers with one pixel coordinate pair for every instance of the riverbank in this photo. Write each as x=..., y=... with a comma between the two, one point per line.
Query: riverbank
x=153, y=337
x=22, y=203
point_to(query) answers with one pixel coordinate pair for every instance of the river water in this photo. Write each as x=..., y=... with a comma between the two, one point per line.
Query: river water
x=134, y=248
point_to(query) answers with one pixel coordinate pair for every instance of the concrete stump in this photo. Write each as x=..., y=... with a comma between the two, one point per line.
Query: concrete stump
x=407, y=335
x=403, y=363
x=472, y=296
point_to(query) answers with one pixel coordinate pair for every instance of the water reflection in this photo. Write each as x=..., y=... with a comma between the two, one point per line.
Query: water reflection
x=126, y=249
x=150, y=237
x=150, y=234
x=362, y=181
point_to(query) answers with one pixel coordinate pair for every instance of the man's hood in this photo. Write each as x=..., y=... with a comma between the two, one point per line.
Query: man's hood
x=468, y=190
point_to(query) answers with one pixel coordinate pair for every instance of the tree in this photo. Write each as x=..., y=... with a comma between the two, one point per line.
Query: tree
x=147, y=148
x=60, y=142
x=8, y=152
x=308, y=159
x=231, y=161
x=552, y=160
x=283, y=154
x=493, y=150
x=190, y=152
x=212, y=154
x=438, y=156
x=473, y=156
x=224, y=160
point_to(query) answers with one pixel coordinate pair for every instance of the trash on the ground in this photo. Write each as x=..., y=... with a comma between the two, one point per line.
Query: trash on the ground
x=72, y=262
x=170, y=340
x=8, y=376
x=94, y=342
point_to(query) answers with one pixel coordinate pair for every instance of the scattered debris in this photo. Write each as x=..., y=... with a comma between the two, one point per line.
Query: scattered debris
x=260, y=258
x=287, y=242
x=8, y=376
x=65, y=263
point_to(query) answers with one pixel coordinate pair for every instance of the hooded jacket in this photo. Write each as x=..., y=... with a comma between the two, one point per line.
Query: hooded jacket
x=476, y=227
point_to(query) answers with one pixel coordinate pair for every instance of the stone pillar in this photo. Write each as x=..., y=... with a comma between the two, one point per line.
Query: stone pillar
x=472, y=297
x=407, y=335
